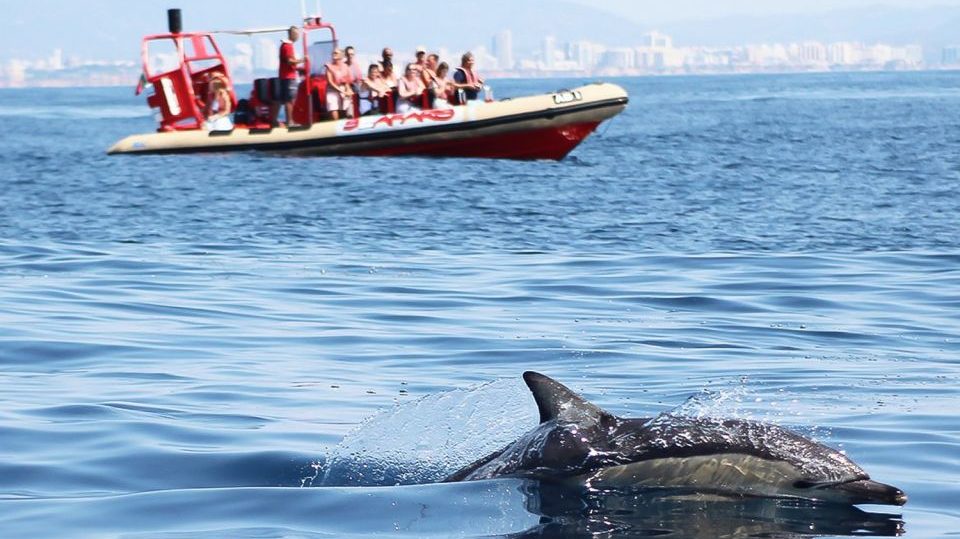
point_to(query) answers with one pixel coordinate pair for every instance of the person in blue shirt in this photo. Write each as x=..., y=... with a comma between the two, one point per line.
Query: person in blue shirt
x=466, y=81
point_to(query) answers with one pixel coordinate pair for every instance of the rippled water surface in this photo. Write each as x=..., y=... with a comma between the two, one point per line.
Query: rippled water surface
x=257, y=346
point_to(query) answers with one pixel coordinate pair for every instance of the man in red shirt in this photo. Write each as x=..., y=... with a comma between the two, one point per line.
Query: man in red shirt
x=289, y=78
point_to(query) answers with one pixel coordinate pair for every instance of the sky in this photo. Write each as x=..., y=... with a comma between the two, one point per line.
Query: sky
x=660, y=11
x=111, y=29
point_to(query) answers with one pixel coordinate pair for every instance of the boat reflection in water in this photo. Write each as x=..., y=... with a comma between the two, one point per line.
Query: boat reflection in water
x=571, y=512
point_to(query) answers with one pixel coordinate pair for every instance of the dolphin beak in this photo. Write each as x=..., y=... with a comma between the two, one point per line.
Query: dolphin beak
x=867, y=491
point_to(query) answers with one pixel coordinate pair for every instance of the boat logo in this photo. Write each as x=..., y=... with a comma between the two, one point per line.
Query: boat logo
x=562, y=98
x=399, y=121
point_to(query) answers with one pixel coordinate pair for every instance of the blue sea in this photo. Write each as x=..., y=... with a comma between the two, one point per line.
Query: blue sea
x=258, y=346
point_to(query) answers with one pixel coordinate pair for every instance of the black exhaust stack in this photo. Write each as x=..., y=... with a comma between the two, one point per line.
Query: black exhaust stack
x=174, y=21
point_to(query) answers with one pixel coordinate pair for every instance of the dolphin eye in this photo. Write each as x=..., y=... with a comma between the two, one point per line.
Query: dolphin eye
x=803, y=484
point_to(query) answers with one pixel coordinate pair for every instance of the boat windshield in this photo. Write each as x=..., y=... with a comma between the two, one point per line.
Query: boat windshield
x=320, y=54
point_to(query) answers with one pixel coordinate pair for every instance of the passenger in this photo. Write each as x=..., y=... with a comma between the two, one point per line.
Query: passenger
x=442, y=87
x=386, y=57
x=410, y=91
x=372, y=89
x=421, y=60
x=356, y=72
x=219, y=105
x=430, y=69
x=339, y=92
x=288, y=78
x=466, y=79
x=389, y=77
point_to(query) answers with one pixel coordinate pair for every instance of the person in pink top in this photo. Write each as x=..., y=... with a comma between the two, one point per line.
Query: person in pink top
x=339, y=87
x=410, y=90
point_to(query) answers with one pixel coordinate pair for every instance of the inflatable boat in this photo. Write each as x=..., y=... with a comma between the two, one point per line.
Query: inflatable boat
x=546, y=126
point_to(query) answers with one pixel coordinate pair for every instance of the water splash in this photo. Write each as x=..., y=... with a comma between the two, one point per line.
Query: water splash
x=426, y=440
x=746, y=401
x=713, y=403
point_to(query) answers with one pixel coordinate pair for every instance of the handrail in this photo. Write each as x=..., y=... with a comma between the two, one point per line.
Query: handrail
x=309, y=25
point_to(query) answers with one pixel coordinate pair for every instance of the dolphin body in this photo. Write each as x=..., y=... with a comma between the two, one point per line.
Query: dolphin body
x=577, y=443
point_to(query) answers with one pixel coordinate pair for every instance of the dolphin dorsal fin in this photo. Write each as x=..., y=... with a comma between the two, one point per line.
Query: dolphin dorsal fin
x=557, y=401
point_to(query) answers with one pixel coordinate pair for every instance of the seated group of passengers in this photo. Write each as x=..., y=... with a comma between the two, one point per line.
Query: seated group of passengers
x=424, y=84
x=427, y=76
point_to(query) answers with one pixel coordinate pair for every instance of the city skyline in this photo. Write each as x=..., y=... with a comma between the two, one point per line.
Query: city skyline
x=554, y=48
x=655, y=53
x=78, y=28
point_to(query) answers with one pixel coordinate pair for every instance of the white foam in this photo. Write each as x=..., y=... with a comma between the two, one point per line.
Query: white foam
x=426, y=440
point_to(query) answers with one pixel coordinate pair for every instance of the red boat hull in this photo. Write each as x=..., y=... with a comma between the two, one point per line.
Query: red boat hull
x=550, y=143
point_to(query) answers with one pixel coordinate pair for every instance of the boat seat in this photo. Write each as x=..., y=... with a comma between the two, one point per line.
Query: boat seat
x=267, y=90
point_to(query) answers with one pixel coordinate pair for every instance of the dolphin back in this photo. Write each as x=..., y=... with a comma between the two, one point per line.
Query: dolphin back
x=576, y=440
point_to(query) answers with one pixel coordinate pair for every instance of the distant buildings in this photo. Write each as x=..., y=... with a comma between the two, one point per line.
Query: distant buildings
x=55, y=70
x=951, y=56
x=584, y=54
x=653, y=53
x=656, y=53
x=842, y=53
x=549, y=53
x=503, y=49
x=618, y=59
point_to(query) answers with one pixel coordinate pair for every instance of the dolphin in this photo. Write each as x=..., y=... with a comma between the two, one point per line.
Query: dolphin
x=577, y=443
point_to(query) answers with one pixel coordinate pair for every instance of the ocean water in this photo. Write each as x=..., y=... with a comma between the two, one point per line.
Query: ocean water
x=257, y=346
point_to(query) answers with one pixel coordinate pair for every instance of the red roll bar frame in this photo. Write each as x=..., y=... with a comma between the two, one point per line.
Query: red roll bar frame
x=177, y=92
x=183, y=81
x=311, y=24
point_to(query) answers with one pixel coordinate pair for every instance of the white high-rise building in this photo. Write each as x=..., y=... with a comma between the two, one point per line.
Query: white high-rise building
x=657, y=52
x=813, y=52
x=842, y=54
x=879, y=54
x=549, y=51
x=951, y=56
x=503, y=49
x=618, y=58
x=56, y=60
x=766, y=54
x=656, y=40
x=584, y=54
